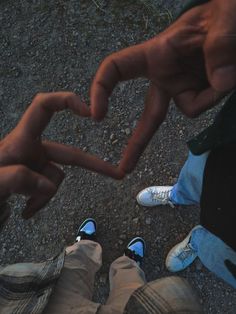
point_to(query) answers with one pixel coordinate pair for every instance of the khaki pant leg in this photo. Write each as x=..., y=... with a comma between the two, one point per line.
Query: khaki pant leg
x=165, y=295
x=125, y=277
x=74, y=289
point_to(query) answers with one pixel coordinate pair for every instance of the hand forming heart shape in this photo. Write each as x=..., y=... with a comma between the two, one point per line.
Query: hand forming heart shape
x=27, y=164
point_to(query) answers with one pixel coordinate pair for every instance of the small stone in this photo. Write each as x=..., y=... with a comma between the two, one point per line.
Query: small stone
x=120, y=242
x=148, y=220
x=127, y=131
x=112, y=136
x=136, y=220
x=122, y=236
x=103, y=278
x=114, y=142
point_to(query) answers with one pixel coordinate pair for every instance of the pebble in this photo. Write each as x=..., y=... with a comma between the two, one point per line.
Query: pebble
x=103, y=278
x=122, y=236
x=136, y=220
x=127, y=131
x=114, y=142
x=148, y=220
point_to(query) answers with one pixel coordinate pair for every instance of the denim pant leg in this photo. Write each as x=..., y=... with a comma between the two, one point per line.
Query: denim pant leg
x=215, y=255
x=187, y=190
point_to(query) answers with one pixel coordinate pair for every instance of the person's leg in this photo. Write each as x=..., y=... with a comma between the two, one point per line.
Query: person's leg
x=182, y=254
x=215, y=254
x=211, y=250
x=164, y=295
x=125, y=277
x=187, y=190
x=74, y=289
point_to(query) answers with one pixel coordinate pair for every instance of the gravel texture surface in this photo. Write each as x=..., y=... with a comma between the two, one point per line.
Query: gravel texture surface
x=58, y=45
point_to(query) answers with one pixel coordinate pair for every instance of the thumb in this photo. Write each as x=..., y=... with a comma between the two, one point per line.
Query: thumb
x=21, y=180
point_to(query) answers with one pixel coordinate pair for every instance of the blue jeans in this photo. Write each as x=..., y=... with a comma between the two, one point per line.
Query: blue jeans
x=188, y=189
x=213, y=253
x=211, y=250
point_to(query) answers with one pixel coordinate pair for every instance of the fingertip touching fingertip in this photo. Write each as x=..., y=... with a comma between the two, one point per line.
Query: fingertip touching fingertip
x=126, y=169
x=98, y=112
x=120, y=175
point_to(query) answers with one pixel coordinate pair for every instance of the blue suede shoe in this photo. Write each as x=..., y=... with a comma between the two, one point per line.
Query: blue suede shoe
x=87, y=230
x=136, y=250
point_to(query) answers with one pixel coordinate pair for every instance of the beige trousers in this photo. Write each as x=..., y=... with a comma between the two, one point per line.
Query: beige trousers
x=74, y=289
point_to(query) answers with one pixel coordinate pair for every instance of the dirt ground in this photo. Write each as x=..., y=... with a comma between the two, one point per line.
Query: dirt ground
x=58, y=45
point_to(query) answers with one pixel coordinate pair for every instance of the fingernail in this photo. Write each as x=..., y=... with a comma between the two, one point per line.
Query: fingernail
x=224, y=79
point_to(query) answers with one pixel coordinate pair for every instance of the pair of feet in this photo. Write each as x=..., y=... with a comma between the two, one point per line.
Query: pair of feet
x=182, y=254
x=134, y=250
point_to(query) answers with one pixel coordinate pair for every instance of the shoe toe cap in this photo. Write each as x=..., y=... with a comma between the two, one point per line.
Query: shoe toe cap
x=89, y=227
x=144, y=198
x=174, y=264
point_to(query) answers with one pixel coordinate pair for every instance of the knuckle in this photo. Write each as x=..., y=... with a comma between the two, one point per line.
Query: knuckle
x=109, y=59
x=39, y=99
x=69, y=97
x=39, y=96
x=21, y=173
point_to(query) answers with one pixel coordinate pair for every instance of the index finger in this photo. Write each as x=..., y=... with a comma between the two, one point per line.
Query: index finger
x=155, y=111
x=42, y=108
x=126, y=64
x=69, y=155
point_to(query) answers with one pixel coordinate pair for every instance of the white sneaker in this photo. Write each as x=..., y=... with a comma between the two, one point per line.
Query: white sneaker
x=155, y=195
x=182, y=254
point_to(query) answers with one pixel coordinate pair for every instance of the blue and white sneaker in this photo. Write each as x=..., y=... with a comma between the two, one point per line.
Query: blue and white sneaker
x=136, y=250
x=182, y=254
x=87, y=230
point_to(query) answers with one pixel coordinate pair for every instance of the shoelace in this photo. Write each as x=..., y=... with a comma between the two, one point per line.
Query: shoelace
x=188, y=250
x=162, y=196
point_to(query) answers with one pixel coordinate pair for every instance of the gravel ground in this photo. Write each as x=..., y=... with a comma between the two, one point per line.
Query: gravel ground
x=57, y=45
